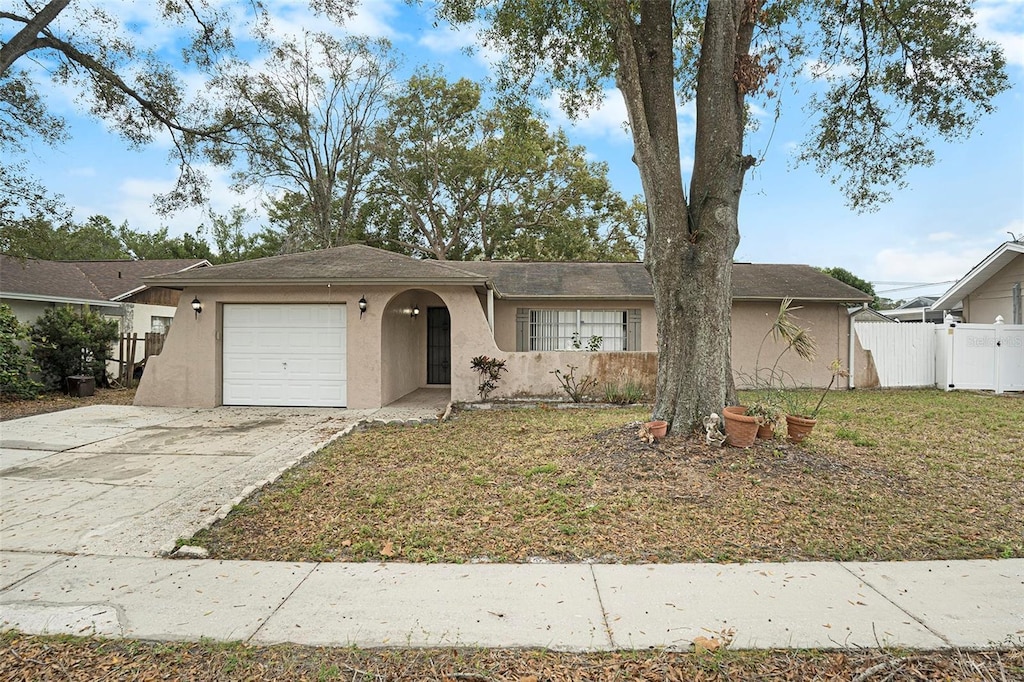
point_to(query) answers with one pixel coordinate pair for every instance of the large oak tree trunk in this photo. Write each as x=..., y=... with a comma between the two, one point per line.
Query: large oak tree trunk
x=690, y=245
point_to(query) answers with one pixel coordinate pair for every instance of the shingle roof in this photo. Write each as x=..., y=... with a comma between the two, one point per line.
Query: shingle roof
x=81, y=280
x=511, y=279
x=630, y=280
x=352, y=263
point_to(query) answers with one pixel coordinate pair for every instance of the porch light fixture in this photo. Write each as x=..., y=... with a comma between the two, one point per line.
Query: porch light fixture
x=362, y=305
x=197, y=306
x=415, y=312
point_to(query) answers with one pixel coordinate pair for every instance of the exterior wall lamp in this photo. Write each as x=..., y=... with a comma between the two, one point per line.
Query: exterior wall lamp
x=197, y=306
x=415, y=312
x=362, y=306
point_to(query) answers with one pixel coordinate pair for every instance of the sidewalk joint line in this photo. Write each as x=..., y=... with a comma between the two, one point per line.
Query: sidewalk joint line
x=600, y=604
x=884, y=596
x=284, y=601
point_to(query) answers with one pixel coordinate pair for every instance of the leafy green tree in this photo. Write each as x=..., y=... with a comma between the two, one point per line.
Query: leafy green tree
x=67, y=343
x=455, y=181
x=854, y=281
x=88, y=49
x=233, y=243
x=159, y=246
x=304, y=123
x=895, y=73
x=38, y=237
x=16, y=366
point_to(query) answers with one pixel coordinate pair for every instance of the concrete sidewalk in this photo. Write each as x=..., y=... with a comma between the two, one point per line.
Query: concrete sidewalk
x=924, y=605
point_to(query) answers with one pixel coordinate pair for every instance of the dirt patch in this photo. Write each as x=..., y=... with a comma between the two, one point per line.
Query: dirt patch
x=55, y=402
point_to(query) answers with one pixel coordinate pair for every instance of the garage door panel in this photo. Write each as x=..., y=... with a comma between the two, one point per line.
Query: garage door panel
x=284, y=354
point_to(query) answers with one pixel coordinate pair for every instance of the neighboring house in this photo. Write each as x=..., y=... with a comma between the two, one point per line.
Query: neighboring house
x=359, y=327
x=992, y=288
x=113, y=288
x=922, y=309
x=865, y=314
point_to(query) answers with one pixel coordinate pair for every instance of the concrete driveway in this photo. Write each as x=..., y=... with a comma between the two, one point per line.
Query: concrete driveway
x=129, y=481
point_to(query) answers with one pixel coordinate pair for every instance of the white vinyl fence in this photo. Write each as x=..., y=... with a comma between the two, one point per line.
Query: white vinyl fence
x=904, y=354
x=987, y=357
x=950, y=355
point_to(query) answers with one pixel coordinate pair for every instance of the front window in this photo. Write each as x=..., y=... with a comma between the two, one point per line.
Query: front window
x=578, y=329
x=160, y=325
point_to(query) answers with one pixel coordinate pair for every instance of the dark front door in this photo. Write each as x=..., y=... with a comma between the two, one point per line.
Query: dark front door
x=439, y=346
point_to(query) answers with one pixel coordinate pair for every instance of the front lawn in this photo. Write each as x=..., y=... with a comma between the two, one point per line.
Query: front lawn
x=886, y=475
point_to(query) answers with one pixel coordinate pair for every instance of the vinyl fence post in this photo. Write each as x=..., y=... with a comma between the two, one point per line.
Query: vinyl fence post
x=998, y=350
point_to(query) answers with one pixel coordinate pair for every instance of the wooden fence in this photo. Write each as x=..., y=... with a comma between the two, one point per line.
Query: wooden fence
x=129, y=364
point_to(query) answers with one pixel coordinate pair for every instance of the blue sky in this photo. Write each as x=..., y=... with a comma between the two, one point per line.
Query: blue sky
x=949, y=217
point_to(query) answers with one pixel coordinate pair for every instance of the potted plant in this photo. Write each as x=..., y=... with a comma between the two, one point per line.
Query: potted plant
x=769, y=415
x=740, y=427
x=800, y=417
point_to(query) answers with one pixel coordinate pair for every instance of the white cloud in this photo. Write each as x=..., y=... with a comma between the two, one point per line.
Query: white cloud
x=1002, y=21
x=607, y=120
x=941, y=236
x=133, y=202
x=908, y=264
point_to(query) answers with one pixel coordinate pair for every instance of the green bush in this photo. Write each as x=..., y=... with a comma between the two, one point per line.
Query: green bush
x=69, y=343
x=16, y=366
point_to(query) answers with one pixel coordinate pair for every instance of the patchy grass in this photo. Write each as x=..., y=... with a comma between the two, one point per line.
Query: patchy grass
x=77, y=659
x=886, y=475
x=12, y=408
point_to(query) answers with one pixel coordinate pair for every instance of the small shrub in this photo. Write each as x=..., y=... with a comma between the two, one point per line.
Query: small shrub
x=626, y=393
x=67, y=343
x=490, y=370
x=16, y=364
x=575, y=388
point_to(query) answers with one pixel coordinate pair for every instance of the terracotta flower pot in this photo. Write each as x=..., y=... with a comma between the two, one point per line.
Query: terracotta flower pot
x=798, y=428
x=766, y=431
x=658, y=428
x=740, y=428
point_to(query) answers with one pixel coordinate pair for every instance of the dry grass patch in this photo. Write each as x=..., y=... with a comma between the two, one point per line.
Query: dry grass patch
x=15, y=408
x=76, y=659
x=887, y=475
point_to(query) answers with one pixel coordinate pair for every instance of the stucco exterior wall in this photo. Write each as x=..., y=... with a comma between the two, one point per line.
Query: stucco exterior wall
x=994, y=297
x=827, y=323
x=386, y=348
x=402, y=339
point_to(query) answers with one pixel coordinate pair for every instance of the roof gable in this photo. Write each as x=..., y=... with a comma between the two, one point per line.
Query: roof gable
x=980, y=273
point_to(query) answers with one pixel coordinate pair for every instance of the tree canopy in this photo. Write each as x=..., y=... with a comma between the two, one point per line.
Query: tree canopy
x=456, y=180
x=116, y=77
x=892, y=74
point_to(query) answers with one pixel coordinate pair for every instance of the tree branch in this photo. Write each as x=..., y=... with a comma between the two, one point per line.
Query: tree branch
x=24, y=41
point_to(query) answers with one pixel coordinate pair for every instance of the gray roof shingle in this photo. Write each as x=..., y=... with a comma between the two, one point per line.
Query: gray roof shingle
x=511, y=279
x=82, y=280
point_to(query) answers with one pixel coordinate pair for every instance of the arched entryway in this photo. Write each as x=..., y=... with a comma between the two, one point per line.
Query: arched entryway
x=416, y=348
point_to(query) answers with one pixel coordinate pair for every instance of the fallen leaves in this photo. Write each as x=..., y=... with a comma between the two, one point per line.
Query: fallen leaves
x=72, y=659
x=578, y=485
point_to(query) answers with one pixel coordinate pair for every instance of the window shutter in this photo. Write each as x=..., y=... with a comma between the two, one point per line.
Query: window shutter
x=633, y=329
x=522, y=329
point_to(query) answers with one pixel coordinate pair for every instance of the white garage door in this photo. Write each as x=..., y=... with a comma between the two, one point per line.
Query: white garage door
x=284, y=354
